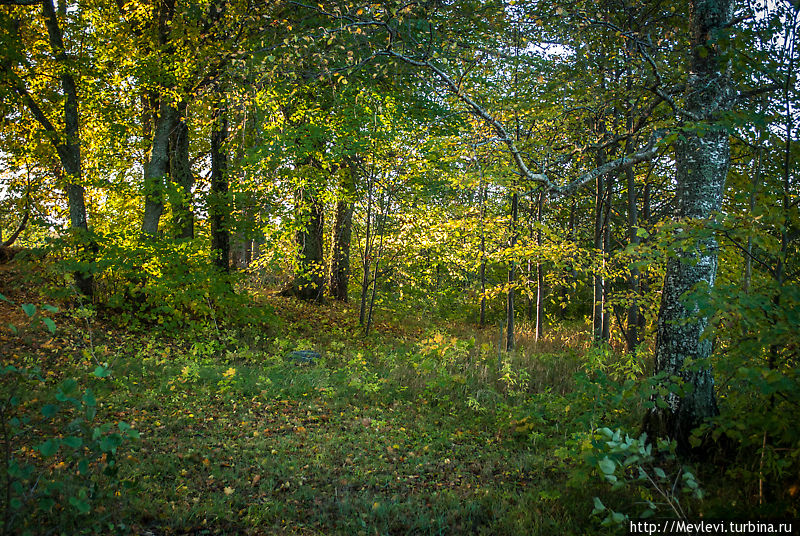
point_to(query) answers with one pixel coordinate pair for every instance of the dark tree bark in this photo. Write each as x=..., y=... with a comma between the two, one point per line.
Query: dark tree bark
x=181, y=174
x=482, y=275
x=512, y=275
x=701, y=168
x=219, y=203
x=309, y=283
x=539, y=272
x=67, y=142
x=597, y=278
x=69, y=146
x=632, y=334
x=606, y=287
x=342, y=232
x=158, y=166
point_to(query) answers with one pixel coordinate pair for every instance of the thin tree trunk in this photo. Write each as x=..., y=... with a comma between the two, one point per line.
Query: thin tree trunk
x=633, y=237
x=748, y=259
x=606, y=286
x=219, y=210
x=532, y=297
x=539, y=273
x=342, y=233
x=482, y=194
x=378, y=252
x=512, y=277
x=701, y=168
x=362, y=310
x=597, y=315
x=181, y=174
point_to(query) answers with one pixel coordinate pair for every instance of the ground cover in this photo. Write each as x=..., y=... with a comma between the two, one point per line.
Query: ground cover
x=418, y=429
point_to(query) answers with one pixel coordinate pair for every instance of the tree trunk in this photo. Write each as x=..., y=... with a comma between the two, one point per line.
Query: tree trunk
x=309, y=282
x=539, y=273
x=512, y=277
x=181, y=174
x=606, y=282
x=633, y=237
x=597, y=313
x=69, y=148
x=362, y=310
x=342, y=232
x=219, y=202
x=482, y=194
x=157, y=168
x=701, y=168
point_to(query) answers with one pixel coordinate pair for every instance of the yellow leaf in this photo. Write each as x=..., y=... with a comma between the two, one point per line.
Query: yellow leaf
x=229, y=490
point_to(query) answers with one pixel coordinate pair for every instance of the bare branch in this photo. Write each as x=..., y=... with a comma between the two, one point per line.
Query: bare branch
x=648, y=153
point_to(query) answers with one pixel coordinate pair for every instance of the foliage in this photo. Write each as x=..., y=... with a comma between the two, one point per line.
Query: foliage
x=55, y=450
x=631, y=463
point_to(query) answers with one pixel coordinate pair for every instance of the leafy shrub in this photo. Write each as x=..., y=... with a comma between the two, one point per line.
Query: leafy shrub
x=169, y=283
x=656, y=479
x=59, y=461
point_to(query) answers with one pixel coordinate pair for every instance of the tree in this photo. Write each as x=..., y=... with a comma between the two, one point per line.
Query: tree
x=342, y=233
x=702, y=160
x=66, y=138
x=219, y=201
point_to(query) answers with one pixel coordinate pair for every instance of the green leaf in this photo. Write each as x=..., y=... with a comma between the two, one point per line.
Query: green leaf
x=68, y=385
x=89, y=399
x=29, y=308
x=48, y=448
x=82, y=505
x=598, y=506
x=51, y=326
x=50, y=308
x=101, y=372
x=15, y=503
x=607, y=466
x=46, y=503
x=73, y=442
x=659, y=472
x=49, y=410
x=110, y=443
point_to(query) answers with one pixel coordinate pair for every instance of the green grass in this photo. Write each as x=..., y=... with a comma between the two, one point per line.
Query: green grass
x=411, y=431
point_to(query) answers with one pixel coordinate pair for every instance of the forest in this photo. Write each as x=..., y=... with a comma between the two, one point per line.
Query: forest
x=412, y=267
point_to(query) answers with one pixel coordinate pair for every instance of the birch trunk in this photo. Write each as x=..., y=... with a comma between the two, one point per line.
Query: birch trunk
x=701, y=168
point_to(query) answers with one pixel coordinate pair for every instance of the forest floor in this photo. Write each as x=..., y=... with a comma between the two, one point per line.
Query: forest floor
x=412, y=430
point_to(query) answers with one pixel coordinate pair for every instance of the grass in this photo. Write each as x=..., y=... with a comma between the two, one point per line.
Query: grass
x=414, y=430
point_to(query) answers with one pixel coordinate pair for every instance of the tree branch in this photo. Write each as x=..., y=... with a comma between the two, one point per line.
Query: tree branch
x=478, y=110
x=648, y=153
